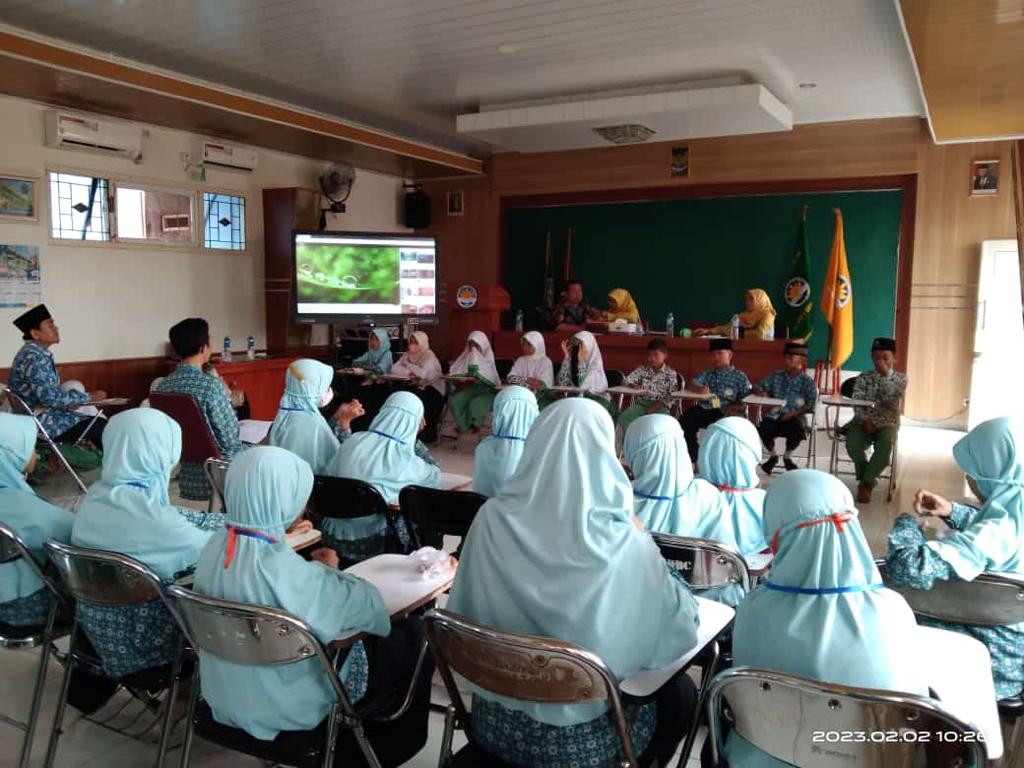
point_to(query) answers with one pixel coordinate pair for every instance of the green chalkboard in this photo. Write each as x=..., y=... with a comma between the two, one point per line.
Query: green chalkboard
x=697, y=256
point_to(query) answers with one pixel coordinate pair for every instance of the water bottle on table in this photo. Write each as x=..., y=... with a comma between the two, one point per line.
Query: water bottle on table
x=670, y=325
x=250, y=348
x=734, y=327
x=226, y=356
x=519, y=321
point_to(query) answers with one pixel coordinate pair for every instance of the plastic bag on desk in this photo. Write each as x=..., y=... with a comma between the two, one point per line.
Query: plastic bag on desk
x=433, y=563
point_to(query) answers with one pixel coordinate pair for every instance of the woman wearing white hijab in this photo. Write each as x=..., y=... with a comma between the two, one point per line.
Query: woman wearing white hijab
x=421, y=365
x=472, y=402
x=534, y=369
x=557, y=553
x=583, y=367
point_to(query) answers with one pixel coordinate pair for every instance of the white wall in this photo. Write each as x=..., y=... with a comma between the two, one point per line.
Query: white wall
x=117, y=301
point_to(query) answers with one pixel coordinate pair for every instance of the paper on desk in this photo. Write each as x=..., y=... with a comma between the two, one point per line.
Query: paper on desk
x=253, y=431
x=399, y=580
x=302, y=540
x=758, y=563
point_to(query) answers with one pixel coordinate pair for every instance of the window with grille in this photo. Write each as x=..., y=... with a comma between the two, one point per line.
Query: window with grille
x=79, y=207
x=223, y=221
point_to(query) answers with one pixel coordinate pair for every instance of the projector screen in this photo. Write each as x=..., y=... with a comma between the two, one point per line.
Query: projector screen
x=357, y=276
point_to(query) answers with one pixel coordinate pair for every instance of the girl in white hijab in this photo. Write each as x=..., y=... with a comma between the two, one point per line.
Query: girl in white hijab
x=423, y=368
x=586, y=369
x=534, y=369
x=473, y=401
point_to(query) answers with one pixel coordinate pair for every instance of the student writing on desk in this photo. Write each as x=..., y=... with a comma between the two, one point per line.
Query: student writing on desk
x=757, y=321
x=728, y=385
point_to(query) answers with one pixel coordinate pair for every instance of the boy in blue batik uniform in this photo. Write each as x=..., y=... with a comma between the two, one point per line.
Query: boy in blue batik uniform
x=793, y=385
x=728, y=386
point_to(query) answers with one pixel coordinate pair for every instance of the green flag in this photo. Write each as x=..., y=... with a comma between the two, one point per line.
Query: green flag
x=797, y=304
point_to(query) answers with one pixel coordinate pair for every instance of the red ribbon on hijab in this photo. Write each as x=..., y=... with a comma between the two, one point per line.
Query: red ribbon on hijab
x=839, y=519
x=234, y=532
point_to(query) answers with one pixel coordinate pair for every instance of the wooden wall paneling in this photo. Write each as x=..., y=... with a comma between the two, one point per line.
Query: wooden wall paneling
x=128, y=377
x=284, y=209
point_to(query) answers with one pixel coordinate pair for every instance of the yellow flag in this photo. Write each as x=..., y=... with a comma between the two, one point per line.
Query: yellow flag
x=837, y=298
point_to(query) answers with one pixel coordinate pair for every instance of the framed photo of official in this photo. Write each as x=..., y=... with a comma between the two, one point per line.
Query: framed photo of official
x=984, y=177
x=679, y=165
x=455, y=203
x=19, y=198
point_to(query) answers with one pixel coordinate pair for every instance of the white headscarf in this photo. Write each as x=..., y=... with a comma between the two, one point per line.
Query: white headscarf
x=596, y=381
x=535, y=366
x=482, y=358
x=424, y=364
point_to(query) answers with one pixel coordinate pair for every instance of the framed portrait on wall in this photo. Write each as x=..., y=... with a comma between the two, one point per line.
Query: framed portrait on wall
x=19, y=198
x=679, y=165
x=984, y=177
x=455, y=203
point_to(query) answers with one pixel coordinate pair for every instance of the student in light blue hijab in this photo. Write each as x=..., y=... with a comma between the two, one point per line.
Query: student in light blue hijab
x=23, y=597
x=129, y=511
x=558, y=553
x=377, y=357
x=987, y=539
x=389, y=457
x=823, y=613
x=497, y=456
x=728, y=459
x=667, y=498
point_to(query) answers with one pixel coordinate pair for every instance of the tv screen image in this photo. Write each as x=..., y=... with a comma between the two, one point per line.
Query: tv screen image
x=359, y=275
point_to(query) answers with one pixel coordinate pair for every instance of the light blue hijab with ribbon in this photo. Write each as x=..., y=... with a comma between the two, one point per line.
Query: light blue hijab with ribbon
x=496, y=458
x=555, y=553
x=376, y=360
x=823, y=612
x=33, y=519
x=251, y=562
x=128, y=510
x=299, y=427
x=729, y=454
x=993, y=540
x=385, y=457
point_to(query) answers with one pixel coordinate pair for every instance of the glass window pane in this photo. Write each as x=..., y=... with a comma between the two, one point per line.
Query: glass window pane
x=78, y=207
x=224, y=221
x=154, y=215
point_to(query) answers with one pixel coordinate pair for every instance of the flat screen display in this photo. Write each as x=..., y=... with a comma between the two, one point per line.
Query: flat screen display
x=363, y=275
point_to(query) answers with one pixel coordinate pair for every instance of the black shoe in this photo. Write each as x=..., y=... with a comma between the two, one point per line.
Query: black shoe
x=789, y=464
x=769, y=465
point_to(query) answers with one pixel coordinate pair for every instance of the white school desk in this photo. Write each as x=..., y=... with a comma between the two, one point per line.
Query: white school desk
x=623, y=392
x=453, y=482
x=759, y=402
x=254, y=431
x=688, y=395
x=836, y=402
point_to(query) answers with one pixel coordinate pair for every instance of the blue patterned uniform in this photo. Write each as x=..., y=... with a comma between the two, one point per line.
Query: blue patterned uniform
x=220, y=417
x=798, y=391
x=910, y=562
x=35, y=379
x=729, y=385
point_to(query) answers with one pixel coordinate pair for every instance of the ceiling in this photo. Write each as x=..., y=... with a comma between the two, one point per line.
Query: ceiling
x=410, y=66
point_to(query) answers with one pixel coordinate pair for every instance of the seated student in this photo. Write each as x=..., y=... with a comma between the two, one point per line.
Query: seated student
x=299, y=426
x=729, y=457
x=533, y=369
x=583, y=367
x=823, y=612
x=472, y=401
x=621, y=307
x=757, y=321
x=667, y=498
x=128, y=511
x=377, y=357
x=24, y=600
x=34, y=378
x=876, y=426
x=389, y=457
x=986, y=539
x=655, y=380
x=423, y=368
x=728, y=385
x=251, y=562
x=191, y=341
x=497, y=456
x=794, y=386
x=569, y=502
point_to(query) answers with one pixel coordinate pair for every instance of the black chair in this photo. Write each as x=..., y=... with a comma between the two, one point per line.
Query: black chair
x=434, y=514
x=503, y=366
x=615, y=378
x=345, y=498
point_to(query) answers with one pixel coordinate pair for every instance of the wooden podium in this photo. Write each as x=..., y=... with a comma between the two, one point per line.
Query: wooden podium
x=484, y=316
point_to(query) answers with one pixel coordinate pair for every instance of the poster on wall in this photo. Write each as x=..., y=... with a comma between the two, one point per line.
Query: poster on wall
x=20, y=281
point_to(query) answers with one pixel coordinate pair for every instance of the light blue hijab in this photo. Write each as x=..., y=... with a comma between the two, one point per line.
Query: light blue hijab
x=128, y=510
x=299, y=427
x=266, y=490
x=376, y=360
x=33, y=519
x=993, y=454
x=823, y=612
x=496, y=458
x=556, y=554
x=385, y=457
x=668, y=498
x=729, y=454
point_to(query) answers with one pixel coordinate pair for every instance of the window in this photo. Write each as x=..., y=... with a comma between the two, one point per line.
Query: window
x=223, y=221
x=153, y=215
x=79, y=207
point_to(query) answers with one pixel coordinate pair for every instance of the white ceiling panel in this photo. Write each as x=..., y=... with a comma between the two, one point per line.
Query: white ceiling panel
x=411, y=66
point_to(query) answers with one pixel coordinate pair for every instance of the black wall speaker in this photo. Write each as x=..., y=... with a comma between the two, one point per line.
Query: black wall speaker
x=417, y=209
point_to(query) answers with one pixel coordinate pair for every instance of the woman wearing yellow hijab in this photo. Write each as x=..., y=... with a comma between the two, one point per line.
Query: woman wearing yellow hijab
x=622, y=307
x=757, y=321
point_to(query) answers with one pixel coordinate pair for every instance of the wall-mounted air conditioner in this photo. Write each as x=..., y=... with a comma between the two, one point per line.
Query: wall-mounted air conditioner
x=67, y=130
x=218, y=154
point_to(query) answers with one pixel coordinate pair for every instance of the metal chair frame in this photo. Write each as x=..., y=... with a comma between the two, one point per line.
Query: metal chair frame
x=390, y=513
x=109, y=578
x=216, y=471
x=525, y=667
x=704, y=564
x=779, y=713
x=12, y=548
x=810, y=439
x=256, y=635
x=19, y=406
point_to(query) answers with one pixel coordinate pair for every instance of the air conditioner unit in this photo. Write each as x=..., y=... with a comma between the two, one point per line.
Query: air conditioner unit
x=217, y=154
x=66, y=130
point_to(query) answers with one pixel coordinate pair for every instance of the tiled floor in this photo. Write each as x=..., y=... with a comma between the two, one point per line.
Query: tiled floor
x=925, y=460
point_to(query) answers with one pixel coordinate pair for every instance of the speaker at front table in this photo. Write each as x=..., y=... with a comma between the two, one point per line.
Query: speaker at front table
x=417, y=209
